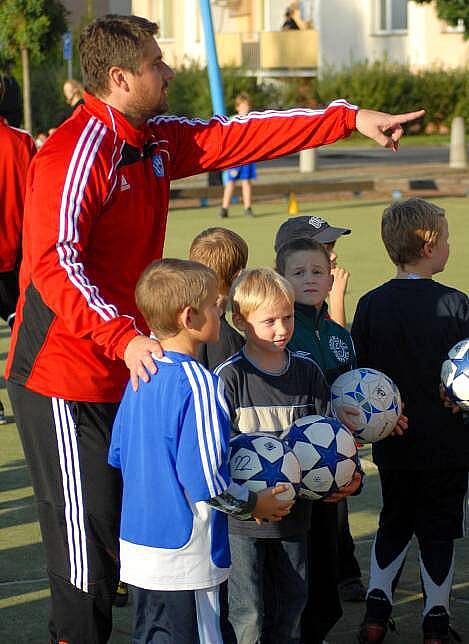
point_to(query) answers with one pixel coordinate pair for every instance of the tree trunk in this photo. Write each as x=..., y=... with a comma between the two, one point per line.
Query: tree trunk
x=26, y=90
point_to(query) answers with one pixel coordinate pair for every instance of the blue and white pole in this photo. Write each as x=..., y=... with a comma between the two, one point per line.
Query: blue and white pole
x=214, y=74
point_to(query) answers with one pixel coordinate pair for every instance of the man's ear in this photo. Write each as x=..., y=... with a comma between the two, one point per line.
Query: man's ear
x=118, y=78
x=239, y=321
x=331, y=282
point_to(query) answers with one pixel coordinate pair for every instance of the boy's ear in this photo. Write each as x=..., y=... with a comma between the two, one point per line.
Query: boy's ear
x=185, y=317
x=239, y=321
x=427, y=250
x=331, y=282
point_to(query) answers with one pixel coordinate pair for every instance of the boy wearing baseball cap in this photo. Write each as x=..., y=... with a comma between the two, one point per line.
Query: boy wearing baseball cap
x=317, y=228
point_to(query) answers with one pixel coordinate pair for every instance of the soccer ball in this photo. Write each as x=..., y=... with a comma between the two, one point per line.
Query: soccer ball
x=262, y=460
x=377, y=398
x=327, y=454
x=455, y=374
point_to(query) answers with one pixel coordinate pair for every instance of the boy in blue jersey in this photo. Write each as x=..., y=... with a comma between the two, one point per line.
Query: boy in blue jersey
x=267, y=388
x=170, y=439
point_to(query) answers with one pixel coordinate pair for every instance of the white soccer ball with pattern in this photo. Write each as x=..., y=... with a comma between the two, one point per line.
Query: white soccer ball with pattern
x=261, y=460
x=375, y=396
x=455, y=374
x=327, y=454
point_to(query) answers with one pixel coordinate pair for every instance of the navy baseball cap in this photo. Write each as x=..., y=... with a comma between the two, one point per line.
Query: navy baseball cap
x=308, y=227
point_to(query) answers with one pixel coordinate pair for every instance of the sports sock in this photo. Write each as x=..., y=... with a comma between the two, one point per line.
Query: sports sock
x=436, y=573
x=387, y=561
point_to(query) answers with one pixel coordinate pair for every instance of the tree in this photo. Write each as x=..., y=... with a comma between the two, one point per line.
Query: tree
x=28, y=30
x=452, y=11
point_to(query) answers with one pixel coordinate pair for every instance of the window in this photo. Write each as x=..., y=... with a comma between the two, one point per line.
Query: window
x=391, y=15
x=164, y=18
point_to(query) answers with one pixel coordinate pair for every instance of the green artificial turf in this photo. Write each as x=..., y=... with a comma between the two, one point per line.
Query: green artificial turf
x=23, y=583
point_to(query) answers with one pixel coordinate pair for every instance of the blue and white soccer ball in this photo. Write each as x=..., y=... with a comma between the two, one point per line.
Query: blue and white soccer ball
x=327, y=454
x=455, y=374
x=261, y=460
x=374, y=395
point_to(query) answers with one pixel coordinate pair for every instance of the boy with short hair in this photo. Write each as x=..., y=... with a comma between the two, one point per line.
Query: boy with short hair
x=405, y=328
x=170, y=439
x=267, y=388
x=226, y=253
x=306, y=264
x=318, y=229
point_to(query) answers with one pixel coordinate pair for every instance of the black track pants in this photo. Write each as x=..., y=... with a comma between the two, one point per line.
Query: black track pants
x=79, y=499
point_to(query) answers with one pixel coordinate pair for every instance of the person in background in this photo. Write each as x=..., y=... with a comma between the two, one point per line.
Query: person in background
x=289, y=23
x=11, y=105
x=16, y=152
x=245, y=173
x=73, y=92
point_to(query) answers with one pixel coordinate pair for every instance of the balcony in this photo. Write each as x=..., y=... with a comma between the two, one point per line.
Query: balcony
x=270, y=53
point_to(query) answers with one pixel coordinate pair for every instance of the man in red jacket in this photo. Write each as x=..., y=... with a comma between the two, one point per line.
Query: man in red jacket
x=95, y=217
x=16, y=151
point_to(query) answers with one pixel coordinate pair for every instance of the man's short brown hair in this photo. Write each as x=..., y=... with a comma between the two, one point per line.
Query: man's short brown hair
x=224, y=251
x=112, y=41
x=166, y=287
x=407, y=226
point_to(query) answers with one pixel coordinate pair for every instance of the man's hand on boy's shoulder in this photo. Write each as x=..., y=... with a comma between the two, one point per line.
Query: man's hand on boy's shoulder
x=269, y=507
x=346, y=490
x=447, y=402
x=385, y=129
x=138, y=358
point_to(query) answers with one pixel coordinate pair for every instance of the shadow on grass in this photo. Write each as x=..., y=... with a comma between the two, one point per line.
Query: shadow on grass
x=26, y=620
x=19, y=512
x=14, y=475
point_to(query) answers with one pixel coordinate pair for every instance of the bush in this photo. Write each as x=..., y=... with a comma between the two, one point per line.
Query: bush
x=394, y=88
x=189, y=92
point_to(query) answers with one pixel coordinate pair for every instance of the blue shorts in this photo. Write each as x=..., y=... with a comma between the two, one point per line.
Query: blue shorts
x=247, y=171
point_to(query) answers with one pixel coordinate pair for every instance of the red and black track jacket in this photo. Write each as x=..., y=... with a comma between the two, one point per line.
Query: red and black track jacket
x=95, y=217
x=16, y=151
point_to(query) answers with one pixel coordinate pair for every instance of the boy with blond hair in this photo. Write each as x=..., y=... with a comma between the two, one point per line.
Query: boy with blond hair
x=170, y=440
x=405, y=328
x=267, y=388
x=226, y=253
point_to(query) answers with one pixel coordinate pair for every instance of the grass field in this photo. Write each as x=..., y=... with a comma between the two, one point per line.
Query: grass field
x=23, y=583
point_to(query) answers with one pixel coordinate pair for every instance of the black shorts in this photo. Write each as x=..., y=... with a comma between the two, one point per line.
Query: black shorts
x=429, y=504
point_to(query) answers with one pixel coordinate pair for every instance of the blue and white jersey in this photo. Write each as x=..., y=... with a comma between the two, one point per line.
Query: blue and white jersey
x=171, y=439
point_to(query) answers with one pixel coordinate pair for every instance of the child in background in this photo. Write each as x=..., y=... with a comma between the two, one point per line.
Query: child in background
x=317, y=228
x=405, y=328
x=172, y=450
x=226, y=253
x=268, y=387
x=245, y=173
x=306, y=265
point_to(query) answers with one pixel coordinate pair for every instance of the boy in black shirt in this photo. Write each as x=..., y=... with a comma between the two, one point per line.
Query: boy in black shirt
x=405, y=328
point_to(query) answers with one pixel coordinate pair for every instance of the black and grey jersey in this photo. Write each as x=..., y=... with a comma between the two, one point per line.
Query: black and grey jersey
x=261, y=401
